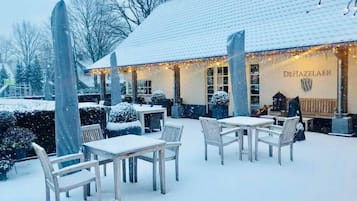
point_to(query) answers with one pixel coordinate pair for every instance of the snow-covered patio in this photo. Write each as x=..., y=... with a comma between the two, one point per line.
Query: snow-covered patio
x=324, y=168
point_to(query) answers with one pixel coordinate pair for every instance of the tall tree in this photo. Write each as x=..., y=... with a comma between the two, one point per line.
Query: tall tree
x=132, y=12
x=3, y=75
x=35, y=77
x=27, y=41
x=20, y=76
x=6, y=48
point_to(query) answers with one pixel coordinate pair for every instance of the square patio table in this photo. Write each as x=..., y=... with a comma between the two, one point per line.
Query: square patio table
x=127, y=146
x=249, y=123
x=147, y=109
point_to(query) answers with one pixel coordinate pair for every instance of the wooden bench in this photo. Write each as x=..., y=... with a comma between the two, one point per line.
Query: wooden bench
x=317, y=107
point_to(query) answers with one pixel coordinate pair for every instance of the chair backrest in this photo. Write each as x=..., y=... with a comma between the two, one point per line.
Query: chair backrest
x=211, y=129
x=172, y=133
x=289, y=129
x=91, y=133
x=45, y=162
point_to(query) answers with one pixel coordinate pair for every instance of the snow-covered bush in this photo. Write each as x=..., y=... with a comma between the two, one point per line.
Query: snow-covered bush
x=7, y=120
x=157, y=96
x=220, y=98
x=17, y=137
x=122, y=112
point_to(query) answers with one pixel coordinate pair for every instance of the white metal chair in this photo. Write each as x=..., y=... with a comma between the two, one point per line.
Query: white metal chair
x=91, y=133
x=70, y=177
x=213, y=135
x=278, y=136
x=172, y=135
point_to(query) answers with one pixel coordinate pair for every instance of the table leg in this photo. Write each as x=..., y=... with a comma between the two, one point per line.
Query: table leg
x=162, y=170
x=154, y=164
x=241, y=135
x=116, y=170
x=250, y=143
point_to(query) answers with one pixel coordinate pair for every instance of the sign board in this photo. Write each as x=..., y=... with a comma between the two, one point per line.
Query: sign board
x=9, y=82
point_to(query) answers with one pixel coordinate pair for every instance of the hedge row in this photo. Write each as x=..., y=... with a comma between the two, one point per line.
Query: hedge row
x=42, y=123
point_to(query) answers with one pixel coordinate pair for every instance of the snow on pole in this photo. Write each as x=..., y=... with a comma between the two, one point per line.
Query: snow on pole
x=67, y=122
x=115, y=82
x=237, y=69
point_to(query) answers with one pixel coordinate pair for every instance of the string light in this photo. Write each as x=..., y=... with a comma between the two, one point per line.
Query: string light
x=252, y=57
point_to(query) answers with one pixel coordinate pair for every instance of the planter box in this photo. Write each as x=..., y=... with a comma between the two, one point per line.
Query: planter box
x=125, y=128
x=219, y=111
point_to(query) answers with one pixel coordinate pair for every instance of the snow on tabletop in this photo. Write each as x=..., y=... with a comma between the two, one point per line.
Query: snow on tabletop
x=26, y=105
x=125, y=143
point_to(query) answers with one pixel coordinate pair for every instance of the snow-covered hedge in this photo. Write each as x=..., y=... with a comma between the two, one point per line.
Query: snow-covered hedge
x=122, y=112
x=7, y=120
x=220, y=98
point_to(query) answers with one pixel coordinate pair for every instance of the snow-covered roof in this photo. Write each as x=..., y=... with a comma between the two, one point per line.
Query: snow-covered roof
x=189, y=29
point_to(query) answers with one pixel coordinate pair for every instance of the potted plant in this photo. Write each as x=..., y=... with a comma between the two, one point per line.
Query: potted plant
x=123, y=120
x=219, y=104
x=157, y=97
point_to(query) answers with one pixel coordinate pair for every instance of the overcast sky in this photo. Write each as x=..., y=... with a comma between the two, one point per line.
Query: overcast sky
x=14, y=11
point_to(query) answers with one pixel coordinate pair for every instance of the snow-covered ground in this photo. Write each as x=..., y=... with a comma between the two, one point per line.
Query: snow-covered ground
x=324, y=168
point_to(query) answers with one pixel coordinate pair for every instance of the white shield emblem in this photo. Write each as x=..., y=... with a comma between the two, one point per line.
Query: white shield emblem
x=306, y=84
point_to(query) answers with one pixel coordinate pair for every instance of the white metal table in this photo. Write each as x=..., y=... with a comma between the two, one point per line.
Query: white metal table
x=147, y=109
x=249, y=123
x=127, y=146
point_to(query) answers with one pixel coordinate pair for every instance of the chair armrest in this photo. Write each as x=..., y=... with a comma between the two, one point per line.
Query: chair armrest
x=173, y=144
x=76, y=167
x=275, y=127
x=231, y=130
x=68, y=158
x=267, y=130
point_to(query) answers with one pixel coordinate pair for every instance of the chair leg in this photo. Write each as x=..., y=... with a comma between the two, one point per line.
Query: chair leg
x=291, y=151
x=135, y=169
x=222, y=155
x=279, y=155
x=67, y=193
x=57, y=195
x=98, y=184
x=47, y=192
x=177, y=166
x=105, y=169
x=84, y=192
x=205, y=151
x=270, y=151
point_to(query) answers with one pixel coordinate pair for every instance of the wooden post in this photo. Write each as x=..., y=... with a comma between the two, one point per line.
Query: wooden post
x=134, y=89
x=177, y=89
x=342, y=56
x=102, y=86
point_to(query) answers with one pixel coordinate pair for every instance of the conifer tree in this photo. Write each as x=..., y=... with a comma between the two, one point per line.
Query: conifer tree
x=35, y=77
x=3, y=76
x=20, y=74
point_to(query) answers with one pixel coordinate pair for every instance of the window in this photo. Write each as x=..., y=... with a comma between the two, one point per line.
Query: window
x=217, y=80
x=254, y=86
x=144, y=87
